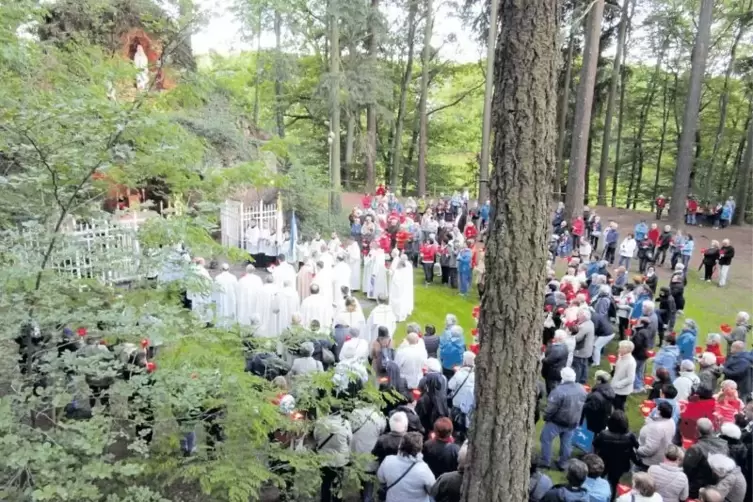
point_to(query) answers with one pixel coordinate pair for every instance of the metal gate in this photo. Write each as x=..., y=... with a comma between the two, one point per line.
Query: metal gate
x=236, y=221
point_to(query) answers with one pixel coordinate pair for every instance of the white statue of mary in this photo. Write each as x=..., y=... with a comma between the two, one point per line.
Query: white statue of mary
x=142, y=64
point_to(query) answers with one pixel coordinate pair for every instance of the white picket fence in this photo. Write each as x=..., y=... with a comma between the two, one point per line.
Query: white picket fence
x=236, y=218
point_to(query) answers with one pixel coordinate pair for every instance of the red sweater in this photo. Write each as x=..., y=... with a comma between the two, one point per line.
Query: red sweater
x=470, y=232
x=578, y=226
x=653, y=236
x=402, y=239
x=428, y=253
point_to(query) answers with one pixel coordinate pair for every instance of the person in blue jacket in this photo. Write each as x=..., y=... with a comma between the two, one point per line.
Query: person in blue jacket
x=465, y=271
x=687, y=339
x=641, y=230
x=727, y=212
x=668, y=358
x=687, y=251
x=451, y=349
x=484, y=213
x=642, y=294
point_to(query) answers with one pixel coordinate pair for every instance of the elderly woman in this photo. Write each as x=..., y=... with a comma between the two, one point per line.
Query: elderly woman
x=740, y=332
x=461, y=392
x=730, y=481
x=709, y=372
x=624, y=373
x=405, y=476
x=728, y=402
x=644, y=490
x=714, y=344
x=687, y=339
x=305, y=363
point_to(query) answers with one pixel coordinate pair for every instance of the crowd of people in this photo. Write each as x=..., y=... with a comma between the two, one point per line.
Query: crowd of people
x=698, y=408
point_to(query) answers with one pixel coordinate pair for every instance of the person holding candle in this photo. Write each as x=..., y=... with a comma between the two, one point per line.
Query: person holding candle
x=726, y=253
x=624, y=373
x=655, y=436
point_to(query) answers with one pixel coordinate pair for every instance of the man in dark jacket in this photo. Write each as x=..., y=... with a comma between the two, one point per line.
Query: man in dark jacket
x=665, y=239
x=573, y=490
x=642, y=335
x=739, y=368
x=726, y=253
x=388, y=444
x=562, y=415
x=555, y=358
x=440, y=453
x=448, y=485
x=598, y=406
x=696, y=466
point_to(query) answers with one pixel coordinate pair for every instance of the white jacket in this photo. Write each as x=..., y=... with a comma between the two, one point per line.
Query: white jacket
x=411, y=360
x=627, y=248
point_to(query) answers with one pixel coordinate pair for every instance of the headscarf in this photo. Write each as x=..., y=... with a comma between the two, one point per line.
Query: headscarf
x=395, y=381
x=435, y=391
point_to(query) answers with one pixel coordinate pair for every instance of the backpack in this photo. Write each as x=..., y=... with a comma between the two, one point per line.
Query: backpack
x=386, y=355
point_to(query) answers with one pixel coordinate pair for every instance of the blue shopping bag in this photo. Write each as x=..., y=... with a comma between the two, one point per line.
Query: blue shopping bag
x=583, y=438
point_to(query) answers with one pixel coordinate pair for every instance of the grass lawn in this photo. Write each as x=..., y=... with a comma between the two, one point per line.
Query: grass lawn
x=706, y=303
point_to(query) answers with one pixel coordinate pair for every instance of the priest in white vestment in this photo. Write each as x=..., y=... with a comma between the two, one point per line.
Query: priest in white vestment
x=354, y=262
x=305, y=278
x=341, y=281
x=225, y=285
x=411, y=359
x=378, y=282
x=247, y=293
x=283, y=272
x=352, y=316
x=316, y=308
x=334, y=244
x=398, y=289
x=316, y=244
x=199, y=290
x=368, y=267
x=266, y=305
x=253, y=234
x=326, y=257
x=382, y=315
x=325, y=280
x=289, y=305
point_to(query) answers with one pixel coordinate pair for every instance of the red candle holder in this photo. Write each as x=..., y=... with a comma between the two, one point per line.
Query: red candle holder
x=645, y=411
x=720, y=360
x=699, y=350
x=474, y=331
x=623, y=489
x=726, y=329
x=687, y=443
x=476, y=311
x=474, y=348
x=586, y=387
x=612, y=358
x=145, y=343
x=649, y=403
x=81, y=331
x=416, y=394
x=648, y=380
x=628, y=332
x=650, y=354
x=151, y=367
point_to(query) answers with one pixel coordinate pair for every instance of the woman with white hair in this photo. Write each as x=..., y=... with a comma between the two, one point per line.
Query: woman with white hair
x=461, y=387
x=728, y=402
x=731, y=483
x=709, y=373
x=710, y=258
x=624, y=373
x=411, y=360
x=726, y=253
x=740, y=332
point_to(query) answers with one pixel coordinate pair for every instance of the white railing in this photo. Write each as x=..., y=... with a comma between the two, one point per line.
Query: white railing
x=236, y=223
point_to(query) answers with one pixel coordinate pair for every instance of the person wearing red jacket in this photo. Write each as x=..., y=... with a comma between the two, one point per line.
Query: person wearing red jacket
x=692, y=208
x=661, y=203
x=654, y=234
x=428, y=253
x=579, y=227
x=366, y=201
x=470, y=231
x=385, y=242
x=402, y=238
x=380, y=191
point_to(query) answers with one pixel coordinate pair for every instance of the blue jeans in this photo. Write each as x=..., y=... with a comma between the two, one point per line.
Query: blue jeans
x=188, y=443
x=548, y=433
x=580, y=366
x=624, y=260
x=690, y=219
x=640, y=368
x=685, y=261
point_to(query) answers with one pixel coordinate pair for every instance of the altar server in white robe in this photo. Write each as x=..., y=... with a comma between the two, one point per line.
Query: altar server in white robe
x=289, y=305
x=316, y=308
x=354, y=262
x=351, y=315
x=334, y=244
x=325, y=280
x=247, y=294
x=411, y=359
x=382, y=315
x=225, y=285
x=378, y=282
x=398, y=289
x=199, y=290
x=326, y=257
x=284, y=271
x=355, y=348
x=253, y=235
x=316, y=244
x=341, y=278
x=267, y=308
x=368, y=267
x=408, y=298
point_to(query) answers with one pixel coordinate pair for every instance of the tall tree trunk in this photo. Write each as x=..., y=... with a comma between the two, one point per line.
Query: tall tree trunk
x=696, y=158
x=279, y=76
x=423, y=140
x=562, y=108
x=483, y=180
x=664, y=123
x=334, y=95
x=618, y=148
x=633, y=168
x=350, y=137
x=397, y=139
x=525, y=100
x=411, y=151
x=690, y=116
x=743, y=179
x=371, y=126
x=257, y=78
x=582, y=121
x=615, y=78
x=743, y=24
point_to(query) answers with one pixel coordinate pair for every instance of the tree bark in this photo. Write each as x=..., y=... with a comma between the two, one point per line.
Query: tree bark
x=411, y=151
x=423, y=140
x=257, y=78
x=483, y=180
x=618, y=148
x=582, y=121
x=664, y=123
x=562, y=108
x=397, y=139
x=279, y=76
x=371, y=125
x=615, y=78
x=525, y=100
x=350, y=135
x=743, y=179
x=690, y=116
x=334, y=94
x=724, y=100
